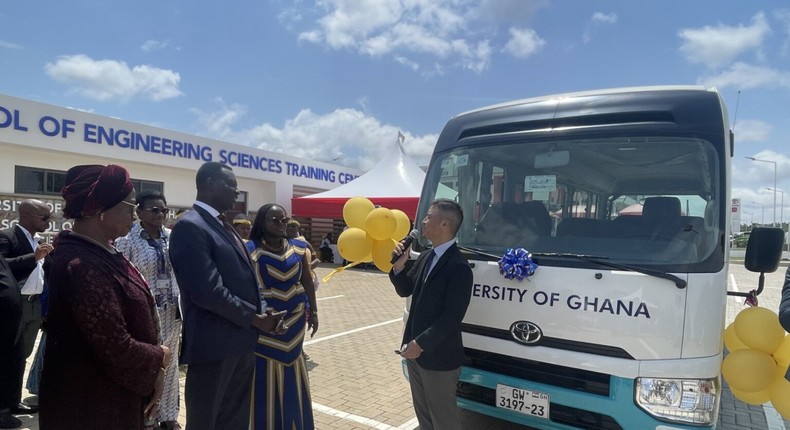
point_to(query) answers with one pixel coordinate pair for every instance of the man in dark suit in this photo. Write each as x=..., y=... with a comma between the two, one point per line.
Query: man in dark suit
x=10, y=347
x=25, y=255
x=221, y=306
x=440, y=284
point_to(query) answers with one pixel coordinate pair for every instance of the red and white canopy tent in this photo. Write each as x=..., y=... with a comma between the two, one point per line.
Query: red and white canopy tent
x=395, y=182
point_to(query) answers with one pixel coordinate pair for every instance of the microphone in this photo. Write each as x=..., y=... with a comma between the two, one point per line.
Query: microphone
x=414, y=234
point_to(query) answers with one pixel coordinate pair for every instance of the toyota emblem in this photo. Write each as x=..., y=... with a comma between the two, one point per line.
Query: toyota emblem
x=526, y=332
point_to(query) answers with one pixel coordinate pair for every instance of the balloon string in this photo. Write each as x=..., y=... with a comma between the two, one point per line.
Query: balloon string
x=326, y=278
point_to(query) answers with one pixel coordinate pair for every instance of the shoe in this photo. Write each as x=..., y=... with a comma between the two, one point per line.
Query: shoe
x=9, y=422
x=23, y=409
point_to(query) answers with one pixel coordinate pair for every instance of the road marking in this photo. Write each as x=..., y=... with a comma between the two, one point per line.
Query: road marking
x=409, y=425
x=356, y=330
x=351, y=417
x=734, y=284
x=330, y=297
x=775, y=421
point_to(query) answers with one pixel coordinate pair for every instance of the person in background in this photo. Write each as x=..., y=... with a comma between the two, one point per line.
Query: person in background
x=242, y=225
x=292, y=232
x=440, y=286
x=26, y=252
x=10, y=347
x=325, y=249
x=221, y=305
x=282, y=386
x=146, y=246
x=104, y=367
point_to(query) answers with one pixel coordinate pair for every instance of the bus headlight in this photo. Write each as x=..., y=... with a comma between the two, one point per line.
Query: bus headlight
x=694, y=401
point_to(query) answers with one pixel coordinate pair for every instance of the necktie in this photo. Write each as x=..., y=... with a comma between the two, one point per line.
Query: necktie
x=231, y=232
x=428, y=261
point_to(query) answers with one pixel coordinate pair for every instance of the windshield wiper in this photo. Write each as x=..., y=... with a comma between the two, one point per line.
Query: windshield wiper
x=479, y=252
x=680, y=283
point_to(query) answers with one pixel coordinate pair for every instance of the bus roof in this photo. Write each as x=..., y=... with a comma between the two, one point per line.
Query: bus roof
x=685, y=109
x=589, y=93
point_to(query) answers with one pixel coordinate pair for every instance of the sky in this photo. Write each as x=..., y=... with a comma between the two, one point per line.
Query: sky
x=336, y=80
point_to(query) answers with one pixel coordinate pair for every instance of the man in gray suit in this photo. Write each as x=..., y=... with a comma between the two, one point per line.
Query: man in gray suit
x=221, y=306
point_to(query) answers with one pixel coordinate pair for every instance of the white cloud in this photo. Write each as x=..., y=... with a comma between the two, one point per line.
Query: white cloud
x=746, y=76
x=416, y=29
x=598, y=19
x=9, y=45
x=523, y=42
x=603, y=18
x=720, y=45
x=751, y=130
x=154, y=45
x=105, y=80
x=349, y=136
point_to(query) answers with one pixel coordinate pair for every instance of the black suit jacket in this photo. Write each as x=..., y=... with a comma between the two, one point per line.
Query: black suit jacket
x=437, y=308
x=16, y=249
x=219, y=291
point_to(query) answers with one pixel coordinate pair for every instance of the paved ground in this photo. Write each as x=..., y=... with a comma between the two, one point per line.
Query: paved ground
x=357, y=381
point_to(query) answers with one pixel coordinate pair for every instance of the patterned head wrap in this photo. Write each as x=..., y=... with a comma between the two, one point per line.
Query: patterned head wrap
x=91, y=189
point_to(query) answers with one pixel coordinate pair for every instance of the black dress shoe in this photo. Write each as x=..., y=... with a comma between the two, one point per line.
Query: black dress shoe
x=9, y=422
x=23, y=409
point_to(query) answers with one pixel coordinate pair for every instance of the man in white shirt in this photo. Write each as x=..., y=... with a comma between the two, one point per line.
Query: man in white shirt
x=25, y=252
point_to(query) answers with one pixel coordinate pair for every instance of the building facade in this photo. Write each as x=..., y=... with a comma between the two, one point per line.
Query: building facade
x=40, y=142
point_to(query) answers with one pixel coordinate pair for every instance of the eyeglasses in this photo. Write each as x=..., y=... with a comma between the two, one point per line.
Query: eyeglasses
x=156, y=210
x=283, y=220
x=133, y=206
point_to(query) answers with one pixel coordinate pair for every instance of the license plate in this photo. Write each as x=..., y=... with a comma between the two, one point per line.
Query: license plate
x=532, y=403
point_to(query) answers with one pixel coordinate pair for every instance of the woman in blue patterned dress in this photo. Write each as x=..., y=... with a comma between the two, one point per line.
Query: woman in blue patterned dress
x=281, y=390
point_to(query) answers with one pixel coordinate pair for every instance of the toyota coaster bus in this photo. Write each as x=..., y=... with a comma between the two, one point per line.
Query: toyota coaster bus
x=622, y=197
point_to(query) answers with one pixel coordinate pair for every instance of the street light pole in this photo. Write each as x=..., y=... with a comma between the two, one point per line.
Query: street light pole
x=751, y=219
x=781, y=208
x=774, y=163
x=762, y=223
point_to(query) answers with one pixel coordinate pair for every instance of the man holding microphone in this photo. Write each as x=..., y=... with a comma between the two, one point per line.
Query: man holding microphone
x=440, y=284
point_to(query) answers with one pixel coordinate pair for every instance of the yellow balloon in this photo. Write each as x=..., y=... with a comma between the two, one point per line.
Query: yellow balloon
x=749, y=370
x=780, y=397
x=731, y=340
x=782, y=354
x=380, y=223
x=762, y=396
x=369, y=258
x=759, y=328
x=382, y=254
x=402, y=224
x=356, y=211
x=354, y=244
x=757, y=398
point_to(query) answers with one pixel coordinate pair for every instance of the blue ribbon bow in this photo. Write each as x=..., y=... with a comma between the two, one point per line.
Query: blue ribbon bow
x=517, y=263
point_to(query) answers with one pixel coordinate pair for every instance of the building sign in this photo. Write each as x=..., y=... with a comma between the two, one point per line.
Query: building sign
x=9, y=214
x=735, y=216
x=68, y=127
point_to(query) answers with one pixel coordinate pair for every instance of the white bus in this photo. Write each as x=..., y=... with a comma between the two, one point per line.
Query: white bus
x=622, y=197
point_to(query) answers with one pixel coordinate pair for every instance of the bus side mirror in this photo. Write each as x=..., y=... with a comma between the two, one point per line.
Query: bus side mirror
x=764, y=249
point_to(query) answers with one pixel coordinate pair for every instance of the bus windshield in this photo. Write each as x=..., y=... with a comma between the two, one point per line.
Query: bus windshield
x=646, y=200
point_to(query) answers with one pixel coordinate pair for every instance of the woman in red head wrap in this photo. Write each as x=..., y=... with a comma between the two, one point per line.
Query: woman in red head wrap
x=104, y=362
